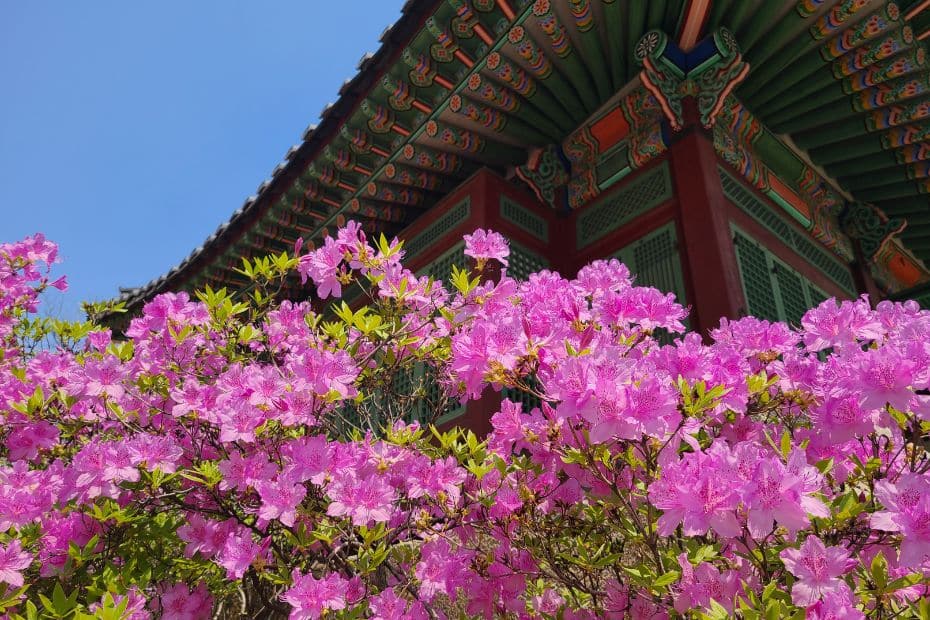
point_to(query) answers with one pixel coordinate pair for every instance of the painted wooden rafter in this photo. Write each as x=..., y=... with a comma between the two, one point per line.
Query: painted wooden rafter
x=696, y=15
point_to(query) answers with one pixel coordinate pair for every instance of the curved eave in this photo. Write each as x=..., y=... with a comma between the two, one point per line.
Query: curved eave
x=461, y=84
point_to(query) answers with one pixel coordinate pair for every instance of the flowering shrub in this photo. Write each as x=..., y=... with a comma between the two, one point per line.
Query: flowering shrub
x=236, y=455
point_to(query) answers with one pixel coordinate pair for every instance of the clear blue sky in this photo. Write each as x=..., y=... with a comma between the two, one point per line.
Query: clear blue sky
x=130, y=130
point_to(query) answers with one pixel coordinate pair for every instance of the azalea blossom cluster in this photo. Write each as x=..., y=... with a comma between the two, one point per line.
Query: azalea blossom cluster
x=235, y=454
x=24, y=273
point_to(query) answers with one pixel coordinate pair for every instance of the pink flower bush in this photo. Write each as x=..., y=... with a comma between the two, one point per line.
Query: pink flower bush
x=229, y=455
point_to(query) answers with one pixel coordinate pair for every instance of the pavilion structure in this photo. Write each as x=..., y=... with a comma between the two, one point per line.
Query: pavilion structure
x=751, y=156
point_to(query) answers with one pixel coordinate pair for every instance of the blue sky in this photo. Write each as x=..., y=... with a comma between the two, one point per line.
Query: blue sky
x=130, y=130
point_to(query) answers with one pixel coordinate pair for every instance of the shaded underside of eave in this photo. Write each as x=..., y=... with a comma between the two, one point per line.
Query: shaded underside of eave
x=850, y=84
x=463, y=84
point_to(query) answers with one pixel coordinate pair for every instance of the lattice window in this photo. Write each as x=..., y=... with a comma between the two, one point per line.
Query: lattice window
x=528, y=401
x=816, y=255
x=441, y=268
x=815, y=296
x=791, y=290
x=438, y=229
x=522, y=262
x=755, y=272
x=524, y=219
x=773, y=290
x=347, y=418
x=407, y=383
x=639, y=196
x=654, y=261
x=434, y=395
x=414, y=395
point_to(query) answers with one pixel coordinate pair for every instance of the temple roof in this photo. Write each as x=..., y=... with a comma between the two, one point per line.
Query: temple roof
x=462, y=84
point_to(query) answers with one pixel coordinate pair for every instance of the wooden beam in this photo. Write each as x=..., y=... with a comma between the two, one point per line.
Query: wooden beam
x=697, y=13
x=912, y=13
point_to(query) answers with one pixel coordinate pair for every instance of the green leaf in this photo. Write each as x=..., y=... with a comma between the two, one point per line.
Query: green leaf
x=904, y=582
x=462, y=282
x=704, y=553
x=344, y=312
x=12, y=598
x=879, y=571
x=36, y=401
x=717, y=612
x=785, y=445
x=666, y=579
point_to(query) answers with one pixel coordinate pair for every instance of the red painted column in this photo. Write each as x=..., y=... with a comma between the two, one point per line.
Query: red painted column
x=862, y=276
x=708, y=253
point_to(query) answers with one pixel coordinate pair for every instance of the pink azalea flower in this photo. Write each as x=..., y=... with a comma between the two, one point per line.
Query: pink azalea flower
x=440, y=570
x=775, y=494
x=243, y=472
x=700, y=585
x=610, y=419
x=323, y=267
x=818, y=570
x=99, y=339
x=470, y=358
x=437, y=477
x=363, y=500
x=308, y=458
x=695, y=493
x=486, y=244
x=309, y=596
x=196, y=533
x=644, y=306
x=239, y=424
x=507, y=499
x=204, y=536
x=838, y=605
x=104, y=377
x=157, y=452
x=58, y=533
x=907, y=511
x=266, y=387
x=836, y=325
x=884, y=377
x=841, y=418
x=13, y=560
x=26, y=439
x=120, y=463
x=178, y=602
x=239, y=552
x=350, y=237
x=280, y=499
x=388, y=606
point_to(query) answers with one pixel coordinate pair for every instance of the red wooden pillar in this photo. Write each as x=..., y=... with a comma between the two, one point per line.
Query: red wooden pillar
x=709, y=255
x=862, y=276
x=477, y=416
